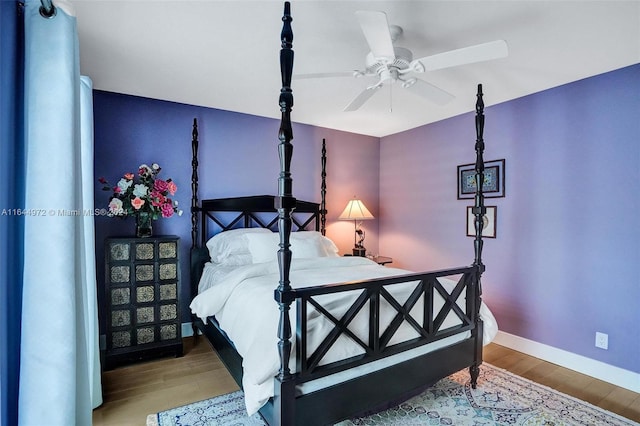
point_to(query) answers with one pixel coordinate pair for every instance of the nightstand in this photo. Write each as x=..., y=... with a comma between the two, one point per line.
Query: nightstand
x=381, y=260
x=142, y=280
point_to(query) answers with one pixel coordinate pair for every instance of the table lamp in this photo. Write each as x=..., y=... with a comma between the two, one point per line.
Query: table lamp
x=357, y=212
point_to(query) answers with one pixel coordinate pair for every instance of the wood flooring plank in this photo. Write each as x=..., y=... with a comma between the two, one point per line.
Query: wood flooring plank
x=623, y=402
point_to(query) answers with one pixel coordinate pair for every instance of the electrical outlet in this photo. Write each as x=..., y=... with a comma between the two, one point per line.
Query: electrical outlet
x=602, y=340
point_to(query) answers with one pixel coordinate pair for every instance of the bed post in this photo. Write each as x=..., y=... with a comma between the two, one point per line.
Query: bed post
x=284, y=395
x=323, y=190
x=194, y=183
x=194, y=219
x=479, y=210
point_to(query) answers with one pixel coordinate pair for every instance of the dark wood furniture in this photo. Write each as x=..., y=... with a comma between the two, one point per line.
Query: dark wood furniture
x=361, y=393
x=382, y=260
x=142, y=279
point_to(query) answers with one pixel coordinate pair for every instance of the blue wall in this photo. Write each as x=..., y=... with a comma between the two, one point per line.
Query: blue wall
x=238, y=156
x=564, y=263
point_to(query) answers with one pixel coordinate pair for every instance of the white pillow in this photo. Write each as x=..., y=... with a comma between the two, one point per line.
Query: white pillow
x=231, y=246
x=304, y=245
x=305, y=248
x=329, y=247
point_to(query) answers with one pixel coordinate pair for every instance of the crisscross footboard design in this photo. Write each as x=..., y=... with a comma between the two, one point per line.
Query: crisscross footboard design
x=425, y=304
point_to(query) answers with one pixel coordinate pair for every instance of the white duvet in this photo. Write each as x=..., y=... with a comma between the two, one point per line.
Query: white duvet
x=237, y=295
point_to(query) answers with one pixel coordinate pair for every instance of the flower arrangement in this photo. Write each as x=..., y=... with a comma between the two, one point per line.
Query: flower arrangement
x=143, y=193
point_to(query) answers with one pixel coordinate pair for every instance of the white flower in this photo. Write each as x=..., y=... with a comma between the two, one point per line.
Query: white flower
x=115, y=207
x=140, y=190
x=144, y=170
x=155, y=166
x=124, y=184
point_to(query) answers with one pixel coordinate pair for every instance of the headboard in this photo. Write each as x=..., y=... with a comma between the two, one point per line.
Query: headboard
x=223, y=214
x=251, y=212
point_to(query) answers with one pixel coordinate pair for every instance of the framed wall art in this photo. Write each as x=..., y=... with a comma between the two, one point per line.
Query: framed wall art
x=489, y=223
x=493, y=186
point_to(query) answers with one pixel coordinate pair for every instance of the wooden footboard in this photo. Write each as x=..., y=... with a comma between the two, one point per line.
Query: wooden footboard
x=405, y=375
x=372, y=294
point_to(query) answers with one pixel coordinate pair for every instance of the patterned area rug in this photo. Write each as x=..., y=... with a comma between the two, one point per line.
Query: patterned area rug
x=501, y=398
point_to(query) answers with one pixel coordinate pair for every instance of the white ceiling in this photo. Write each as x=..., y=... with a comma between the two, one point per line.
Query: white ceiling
x=224, y=54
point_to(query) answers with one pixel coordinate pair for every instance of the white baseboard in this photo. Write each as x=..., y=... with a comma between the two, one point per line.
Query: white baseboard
x=597, y=369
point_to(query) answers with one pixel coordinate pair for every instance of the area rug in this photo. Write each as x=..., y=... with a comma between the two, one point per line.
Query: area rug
x=501, y=398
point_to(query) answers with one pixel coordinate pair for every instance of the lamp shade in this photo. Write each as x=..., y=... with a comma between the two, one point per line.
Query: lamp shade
x=355, y=210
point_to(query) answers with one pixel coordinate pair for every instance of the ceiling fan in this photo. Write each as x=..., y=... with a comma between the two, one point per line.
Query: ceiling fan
x=392, y=64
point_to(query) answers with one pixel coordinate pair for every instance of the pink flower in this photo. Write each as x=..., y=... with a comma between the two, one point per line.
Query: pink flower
x=102, y=180
x=160, y=185
x=128, y=176
x=137, y=203
x=171, y=187
x=167, y=210
x=157, y=199
x=117, y=189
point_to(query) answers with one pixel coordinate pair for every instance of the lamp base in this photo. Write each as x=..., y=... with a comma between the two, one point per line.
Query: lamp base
x=359, y=251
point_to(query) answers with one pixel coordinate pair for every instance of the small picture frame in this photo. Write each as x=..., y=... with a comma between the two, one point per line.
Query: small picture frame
x=489, y=227
x=493, y=186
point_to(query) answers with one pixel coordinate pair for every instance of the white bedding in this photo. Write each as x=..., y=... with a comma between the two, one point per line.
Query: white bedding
x=235, y=294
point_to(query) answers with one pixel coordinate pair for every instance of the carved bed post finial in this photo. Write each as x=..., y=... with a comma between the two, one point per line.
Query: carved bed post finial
x=285, y=203
x=323, y=190
x=194, y=183
x=479, y=211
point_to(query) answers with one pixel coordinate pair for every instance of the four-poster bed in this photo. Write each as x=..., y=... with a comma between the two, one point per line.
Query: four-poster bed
x=365, y=335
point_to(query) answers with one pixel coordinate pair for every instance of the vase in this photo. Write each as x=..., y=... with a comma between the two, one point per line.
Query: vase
x=143, y=225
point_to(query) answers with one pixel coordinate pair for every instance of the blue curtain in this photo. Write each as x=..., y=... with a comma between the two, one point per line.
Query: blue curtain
x=52, y=371
x=11, y=174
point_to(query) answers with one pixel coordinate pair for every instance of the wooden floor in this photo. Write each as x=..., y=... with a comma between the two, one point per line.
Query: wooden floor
x=131, y=393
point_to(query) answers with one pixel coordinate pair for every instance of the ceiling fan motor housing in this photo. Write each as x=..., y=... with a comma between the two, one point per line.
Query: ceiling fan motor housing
x=401, y=62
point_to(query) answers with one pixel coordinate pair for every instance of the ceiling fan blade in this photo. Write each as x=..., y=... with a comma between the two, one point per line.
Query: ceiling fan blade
x=360, y=100
x=466, y=55
x=430, y=92
x=376, y=30
x=322, y=75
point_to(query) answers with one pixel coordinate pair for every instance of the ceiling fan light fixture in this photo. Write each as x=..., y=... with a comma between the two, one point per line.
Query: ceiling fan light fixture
x=417, y=66
x=409, y=82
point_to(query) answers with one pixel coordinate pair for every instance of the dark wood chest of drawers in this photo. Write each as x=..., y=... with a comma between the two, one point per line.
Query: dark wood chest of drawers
x=142, y=278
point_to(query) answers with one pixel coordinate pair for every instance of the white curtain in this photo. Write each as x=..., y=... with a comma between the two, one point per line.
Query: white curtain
x=59, y=360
